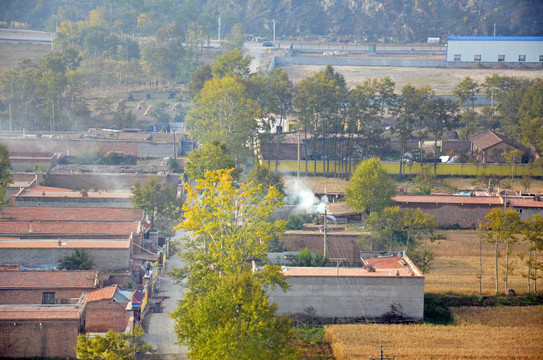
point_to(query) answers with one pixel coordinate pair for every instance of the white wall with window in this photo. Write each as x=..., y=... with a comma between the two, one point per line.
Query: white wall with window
x=491, y=49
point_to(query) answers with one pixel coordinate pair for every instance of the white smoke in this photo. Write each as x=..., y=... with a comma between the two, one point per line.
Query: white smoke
x=301, y=196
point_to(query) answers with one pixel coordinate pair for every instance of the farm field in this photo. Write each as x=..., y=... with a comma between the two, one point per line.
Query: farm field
x=478, y=333
x=442, y=80
x=456, y=265
x=11, y=53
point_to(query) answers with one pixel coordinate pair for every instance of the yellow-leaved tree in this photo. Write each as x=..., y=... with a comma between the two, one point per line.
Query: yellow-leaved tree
x=226, y=312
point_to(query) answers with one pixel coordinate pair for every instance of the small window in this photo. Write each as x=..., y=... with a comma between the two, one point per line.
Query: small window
x=48, y=298
x=521, y=58
x=501, y=58
x=476, y=57
x=457, y=57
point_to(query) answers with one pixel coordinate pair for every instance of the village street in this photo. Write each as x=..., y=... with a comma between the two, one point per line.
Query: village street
x=159, y=327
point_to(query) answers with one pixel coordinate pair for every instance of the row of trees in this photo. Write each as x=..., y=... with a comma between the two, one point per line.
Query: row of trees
x=340, y=125
x=504, y=227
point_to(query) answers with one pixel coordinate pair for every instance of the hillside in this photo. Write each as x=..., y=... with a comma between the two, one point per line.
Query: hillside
x=368, y=20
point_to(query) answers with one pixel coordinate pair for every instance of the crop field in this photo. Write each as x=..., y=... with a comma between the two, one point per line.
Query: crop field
x=456, y=265
x=11, y=53
x=480, y=333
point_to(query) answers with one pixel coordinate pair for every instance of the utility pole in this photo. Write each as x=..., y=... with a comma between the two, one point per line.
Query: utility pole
x=298, y=174
x=219, y=30
x=381, y=356
x=494, y=29
x=325, y=231
x=273, y=30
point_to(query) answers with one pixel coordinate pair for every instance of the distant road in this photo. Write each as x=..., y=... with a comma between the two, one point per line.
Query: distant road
x=25, y=35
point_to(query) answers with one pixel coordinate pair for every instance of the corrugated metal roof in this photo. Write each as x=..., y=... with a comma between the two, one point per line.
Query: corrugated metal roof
x=495, y=38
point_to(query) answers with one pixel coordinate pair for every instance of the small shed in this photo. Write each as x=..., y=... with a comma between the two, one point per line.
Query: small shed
x=489, y=146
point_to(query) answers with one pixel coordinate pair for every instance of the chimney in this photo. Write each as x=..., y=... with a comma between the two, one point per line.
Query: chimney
x=31, y=230
x=59, y=243
x=43, y=193
x=84, y=193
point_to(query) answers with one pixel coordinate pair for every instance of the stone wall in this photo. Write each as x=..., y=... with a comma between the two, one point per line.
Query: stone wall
x=352, y=297
x=104, y=260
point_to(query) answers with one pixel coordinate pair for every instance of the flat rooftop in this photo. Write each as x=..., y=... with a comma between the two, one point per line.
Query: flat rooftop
x=47, y=191
x=384, y=267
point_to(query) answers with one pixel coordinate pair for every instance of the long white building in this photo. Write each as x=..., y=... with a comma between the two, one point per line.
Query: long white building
x=495, y=49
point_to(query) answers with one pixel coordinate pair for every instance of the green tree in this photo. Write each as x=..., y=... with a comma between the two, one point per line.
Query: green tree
x=425, y=180
x=260, y=175
x=466, y=92
x=501, y=227
x=5, y=174
x=233, y=63
x=235, y=38
x=226, y=313
x=308, y=258
x=371, y=188
x=443, y=116
x=156, y=199
x=223, y=112
x=532, y=230
x=197, y=80
x=410, y=112
x=79, y=260
x=209, y=157
x=113, y=345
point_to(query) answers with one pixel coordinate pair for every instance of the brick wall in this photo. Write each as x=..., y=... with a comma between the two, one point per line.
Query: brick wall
x=339, y=245
x=458, y=146
x=102, y=181
x=106, y=315
x=467, y=216
x=27, y=339
x=34, y=296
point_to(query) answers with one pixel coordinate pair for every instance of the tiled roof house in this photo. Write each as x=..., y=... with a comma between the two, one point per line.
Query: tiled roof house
x=488, y=146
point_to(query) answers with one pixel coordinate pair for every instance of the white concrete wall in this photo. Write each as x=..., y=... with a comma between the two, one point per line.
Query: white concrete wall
x=490, y=49
x=346, y=297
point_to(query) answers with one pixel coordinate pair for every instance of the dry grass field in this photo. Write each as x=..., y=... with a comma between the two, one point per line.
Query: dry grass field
x=479, y=333
x=11, y=53
x=442, y=80
x=456, y=265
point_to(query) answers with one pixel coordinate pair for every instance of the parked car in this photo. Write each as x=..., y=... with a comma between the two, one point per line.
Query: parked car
x=267, y=44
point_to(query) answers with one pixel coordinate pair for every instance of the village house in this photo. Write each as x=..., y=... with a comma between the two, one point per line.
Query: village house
x=488, y=147
x=387, y=284
x=46, y=286
x=107, y=310
x=40, y=331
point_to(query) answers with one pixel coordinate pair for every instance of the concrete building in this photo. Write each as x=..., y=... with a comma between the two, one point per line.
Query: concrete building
x=495, y=49
x=386, y=283
x=40, y=331
x=488, y=147
x=46, y=287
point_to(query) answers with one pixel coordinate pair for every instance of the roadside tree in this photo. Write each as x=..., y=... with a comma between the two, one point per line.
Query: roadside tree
x=371, y=188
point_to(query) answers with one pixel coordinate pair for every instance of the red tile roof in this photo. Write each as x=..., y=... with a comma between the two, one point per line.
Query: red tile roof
x=48, y=279
x=71, y=214
x=448, y=199
x=47, y=191
x=66, y=244
x=100, y=294
x=524, y=203
x=489, y=139
x=43, y=312
x=68, y=228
